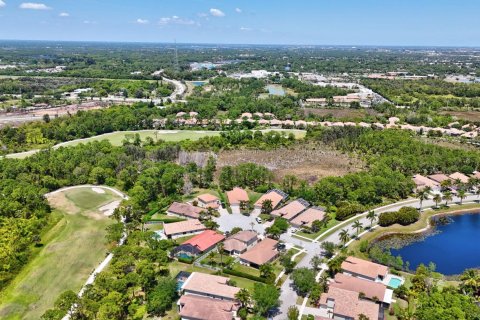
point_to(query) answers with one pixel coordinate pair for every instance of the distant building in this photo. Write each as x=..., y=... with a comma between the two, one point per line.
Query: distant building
x=292, y=209
x=346, y=305
x=275, y=196
x=263, y=252
x=208, y=201
x=364, y=269
x=236, y=196
x=240, y=242
x=374, y=291
x=184, y=210
x=193, y=307
x=199, y=244
x=306, y=218
x=211, y=286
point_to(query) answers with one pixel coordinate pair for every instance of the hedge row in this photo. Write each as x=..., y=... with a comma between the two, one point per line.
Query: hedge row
x=404, y=216
x=243, y=275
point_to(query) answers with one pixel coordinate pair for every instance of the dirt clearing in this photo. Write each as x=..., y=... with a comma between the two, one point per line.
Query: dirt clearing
x=310, y=162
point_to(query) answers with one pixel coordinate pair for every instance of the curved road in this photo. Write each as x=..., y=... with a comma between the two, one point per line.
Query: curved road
x=288, y=294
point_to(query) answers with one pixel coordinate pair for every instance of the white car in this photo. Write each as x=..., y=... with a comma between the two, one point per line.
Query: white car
x=259, y=220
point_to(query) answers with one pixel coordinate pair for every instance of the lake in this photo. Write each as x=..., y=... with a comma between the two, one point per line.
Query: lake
x=453, y=247
x=198, y=83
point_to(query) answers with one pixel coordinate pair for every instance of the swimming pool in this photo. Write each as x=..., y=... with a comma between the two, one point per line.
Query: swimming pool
x=183, y=255
x=394, y=282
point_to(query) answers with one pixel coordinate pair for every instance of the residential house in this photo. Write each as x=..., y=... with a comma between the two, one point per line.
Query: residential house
x=374, y=291
x=211, y=286
x=240, y=242
x=263, y=252
x=183, y=228
x=439, y=177
x=459, y=176
x=184, y=210
x=208, y=201
x=364, y=269
x=275, y=196
x=292, y=209
x=343, y=304
x=236, y=196
x=422, y=182
x=192, y=307
x=199, y=244
x=306, y=218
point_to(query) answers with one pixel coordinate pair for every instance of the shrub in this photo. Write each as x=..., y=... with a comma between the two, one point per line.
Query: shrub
x=348, y=210
x=363, y=246
x=243, y=275
x=404, y=216
x=185, y=260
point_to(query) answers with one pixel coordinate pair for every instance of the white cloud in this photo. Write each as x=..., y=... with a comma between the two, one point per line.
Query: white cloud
x=142, y=21
x=34, y=6
x=2, y=4
x=89, y=22
x=238, y=10
x=175, y=20
x=245, y=29
x=217, y=12
x=64, y=14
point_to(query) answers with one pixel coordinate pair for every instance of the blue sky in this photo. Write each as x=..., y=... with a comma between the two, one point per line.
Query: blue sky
x=335, y=22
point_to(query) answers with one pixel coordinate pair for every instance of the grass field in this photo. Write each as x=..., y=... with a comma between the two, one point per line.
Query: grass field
x=72, y=249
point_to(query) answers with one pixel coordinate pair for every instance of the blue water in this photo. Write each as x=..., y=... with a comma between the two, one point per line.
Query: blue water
x=184, y=256
x=179, y=285
x=394, y=283
x=275, y=90
x=453, y=249
x=198, y=83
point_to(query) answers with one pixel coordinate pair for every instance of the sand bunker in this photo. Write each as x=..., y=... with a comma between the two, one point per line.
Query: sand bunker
x=98, y=190
x=109, y=208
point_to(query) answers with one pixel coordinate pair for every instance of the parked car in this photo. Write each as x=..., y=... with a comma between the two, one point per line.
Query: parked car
x=259, y=220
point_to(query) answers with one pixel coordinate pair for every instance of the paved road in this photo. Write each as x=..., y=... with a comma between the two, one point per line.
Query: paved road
x=228, y=221
x=288, y=296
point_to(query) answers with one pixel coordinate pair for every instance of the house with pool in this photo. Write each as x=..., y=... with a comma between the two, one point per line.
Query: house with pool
x=199, y=244
x=370, y=271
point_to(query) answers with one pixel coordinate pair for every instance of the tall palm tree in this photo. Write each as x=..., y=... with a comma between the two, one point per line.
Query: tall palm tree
x=344, y=236
x=445, y=184
x=220, y=247
x=447, y=196
x=461, y=194
x=470, y=281
x=423, y=194
x=243, y=296
x=437, y=198
x=267, y=207
x=372, y=216
x=357, y=225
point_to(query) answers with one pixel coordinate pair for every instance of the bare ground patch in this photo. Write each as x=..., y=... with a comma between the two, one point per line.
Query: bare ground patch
x=60, y=201
x=310, y=162
x=340, y=112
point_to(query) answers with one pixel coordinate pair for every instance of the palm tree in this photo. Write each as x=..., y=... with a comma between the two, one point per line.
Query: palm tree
x=437, y=198
x=461, y=194
x=423, y=194
x=445, y=184
x=344, y=236
x=220, y=247
x=372, y=216
x=266, y=206
x=447, y=196
x=358, y=226
x=470, y=281
x=243, y=296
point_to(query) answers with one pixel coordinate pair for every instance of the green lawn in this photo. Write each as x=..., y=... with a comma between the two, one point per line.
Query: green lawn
x=313, y=236
x=73, y=247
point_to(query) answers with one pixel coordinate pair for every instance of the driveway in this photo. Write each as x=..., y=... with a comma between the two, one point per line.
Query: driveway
x=228, y=221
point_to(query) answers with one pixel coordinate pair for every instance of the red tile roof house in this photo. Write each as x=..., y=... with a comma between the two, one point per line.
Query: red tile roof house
x=459, y=176
x=236, y=196
x=344, y=304
x=240, y=242
x=201, y=243
x=210, y=286
x=438, y=177
x=184, y=210
x=364, y=269
x=183, y=228
x=208, y=201
x=274, y=195
x=192, y=307
x=375, y=291
x=263, y=252
x=306, y=218
x=291, y=210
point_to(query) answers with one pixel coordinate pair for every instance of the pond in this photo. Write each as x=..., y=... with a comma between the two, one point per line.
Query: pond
x=198, y=83
x=275, y=90
x=453, y=247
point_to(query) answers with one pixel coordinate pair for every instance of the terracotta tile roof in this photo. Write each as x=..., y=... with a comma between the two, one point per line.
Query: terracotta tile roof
x=234, y=245
x=364, y=267
x=205, y=240
x=439, y=177
x=237, y=195
x=203, y=308
x=458, y=175
x=183, y=226
x=308, y=216
x=276, y=196
x=421, y=182
x=292, y=209
x=262, y=252
x=369, y=288
x=207, y=197
x=347, y=304
x=185, y=209
x=208, y=284
x=245, y=235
